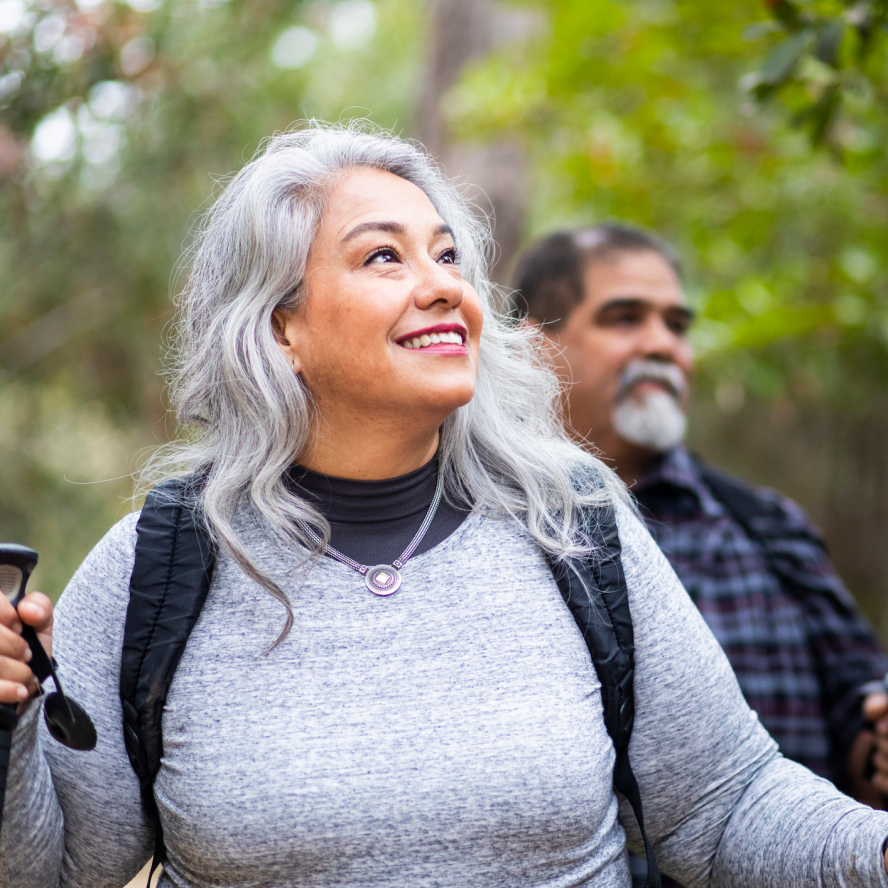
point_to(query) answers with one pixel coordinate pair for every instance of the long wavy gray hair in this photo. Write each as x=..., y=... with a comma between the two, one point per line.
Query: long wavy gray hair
x=249, y=416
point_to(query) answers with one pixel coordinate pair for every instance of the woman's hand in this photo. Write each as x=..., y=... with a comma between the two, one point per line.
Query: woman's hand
x=17, y=682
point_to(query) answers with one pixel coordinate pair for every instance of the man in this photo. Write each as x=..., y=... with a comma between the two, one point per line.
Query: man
x=609, y=300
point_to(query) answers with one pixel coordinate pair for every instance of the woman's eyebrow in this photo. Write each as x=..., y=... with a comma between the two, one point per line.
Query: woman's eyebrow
x=390, y=228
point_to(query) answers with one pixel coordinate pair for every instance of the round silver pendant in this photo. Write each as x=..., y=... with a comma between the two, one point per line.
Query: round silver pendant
x=383, y=579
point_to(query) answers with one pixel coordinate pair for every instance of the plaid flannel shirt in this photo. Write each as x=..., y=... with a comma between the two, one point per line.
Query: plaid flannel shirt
x=799, y=647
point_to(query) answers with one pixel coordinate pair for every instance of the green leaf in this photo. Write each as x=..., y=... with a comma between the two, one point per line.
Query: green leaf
x=786, y=13
x=825, y=112
x=829, y=42
x=761, y=29
x=778, y=66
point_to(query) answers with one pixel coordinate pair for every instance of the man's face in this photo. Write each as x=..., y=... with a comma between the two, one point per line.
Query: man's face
x=624, y=348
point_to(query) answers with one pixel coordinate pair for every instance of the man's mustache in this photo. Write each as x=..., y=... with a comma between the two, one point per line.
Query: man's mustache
x=652, y=371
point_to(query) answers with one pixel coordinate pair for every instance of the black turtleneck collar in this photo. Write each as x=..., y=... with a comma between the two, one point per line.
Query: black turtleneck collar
x=374, y=521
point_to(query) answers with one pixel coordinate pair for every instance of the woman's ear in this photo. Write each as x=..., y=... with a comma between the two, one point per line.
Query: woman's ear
x=281, y=322
x=279, y=326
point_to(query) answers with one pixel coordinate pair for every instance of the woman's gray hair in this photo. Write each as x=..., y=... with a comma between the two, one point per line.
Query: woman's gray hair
x=249, y=415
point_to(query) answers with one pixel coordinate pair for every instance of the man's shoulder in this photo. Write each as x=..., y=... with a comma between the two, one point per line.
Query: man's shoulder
x=764, y=512
x=718, y=495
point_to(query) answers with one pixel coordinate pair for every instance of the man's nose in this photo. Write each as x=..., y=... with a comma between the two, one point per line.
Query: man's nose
x=658, y=341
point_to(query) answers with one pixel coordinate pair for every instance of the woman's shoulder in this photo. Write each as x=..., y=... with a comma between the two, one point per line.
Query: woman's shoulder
x=633, y=534
x=651, y=579
x=105, y=572
x=116, y=549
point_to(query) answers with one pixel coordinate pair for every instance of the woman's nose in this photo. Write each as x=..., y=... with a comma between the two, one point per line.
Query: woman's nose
x=438, y=284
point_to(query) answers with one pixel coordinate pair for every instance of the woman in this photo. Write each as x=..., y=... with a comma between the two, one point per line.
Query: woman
x=339, y=358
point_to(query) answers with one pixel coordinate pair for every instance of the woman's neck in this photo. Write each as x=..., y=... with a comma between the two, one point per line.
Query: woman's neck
x=362, y=457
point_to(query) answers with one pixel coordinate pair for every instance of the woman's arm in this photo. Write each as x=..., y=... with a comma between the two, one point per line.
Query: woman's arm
x=720, y=803
x=75, y=818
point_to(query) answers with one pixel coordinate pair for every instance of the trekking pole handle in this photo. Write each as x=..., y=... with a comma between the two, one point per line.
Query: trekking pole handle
x=66, y=721
x=16, y=565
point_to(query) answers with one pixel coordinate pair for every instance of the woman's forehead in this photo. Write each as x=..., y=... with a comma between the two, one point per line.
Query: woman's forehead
x=372, y=195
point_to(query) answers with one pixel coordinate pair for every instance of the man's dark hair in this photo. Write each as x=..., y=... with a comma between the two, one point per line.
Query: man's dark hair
x=549, y=276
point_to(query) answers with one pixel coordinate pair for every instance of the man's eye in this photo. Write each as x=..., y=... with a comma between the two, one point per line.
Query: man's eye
x=679, y=324
x=624, y=318
x=382, y=255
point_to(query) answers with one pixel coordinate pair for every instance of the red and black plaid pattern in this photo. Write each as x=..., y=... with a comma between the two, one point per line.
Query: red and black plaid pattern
x=799, y=646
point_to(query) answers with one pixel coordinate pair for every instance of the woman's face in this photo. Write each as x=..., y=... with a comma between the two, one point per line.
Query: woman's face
x=388, y=328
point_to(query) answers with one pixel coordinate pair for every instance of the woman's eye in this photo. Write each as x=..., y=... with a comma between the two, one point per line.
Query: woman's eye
x=382, y=255
x=450, y=256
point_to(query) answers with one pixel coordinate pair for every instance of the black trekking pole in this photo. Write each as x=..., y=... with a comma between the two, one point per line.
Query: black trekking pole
x=66, y=721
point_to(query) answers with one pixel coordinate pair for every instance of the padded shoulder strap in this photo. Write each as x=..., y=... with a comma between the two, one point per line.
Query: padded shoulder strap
x=595, y=592
x=170, y=581
x=746, y=506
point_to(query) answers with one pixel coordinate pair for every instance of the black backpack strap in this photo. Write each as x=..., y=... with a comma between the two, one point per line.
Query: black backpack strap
x=747, y=508
x=170, y=581
x=596, y=594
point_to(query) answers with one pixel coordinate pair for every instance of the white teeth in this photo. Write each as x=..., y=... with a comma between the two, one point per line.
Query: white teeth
x=451, y=337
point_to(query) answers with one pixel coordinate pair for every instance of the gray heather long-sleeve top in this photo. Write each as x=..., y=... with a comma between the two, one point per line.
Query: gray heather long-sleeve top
x=450, y=735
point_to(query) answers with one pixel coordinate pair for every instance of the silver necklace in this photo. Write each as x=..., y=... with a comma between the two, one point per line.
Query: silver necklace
x=383, y=579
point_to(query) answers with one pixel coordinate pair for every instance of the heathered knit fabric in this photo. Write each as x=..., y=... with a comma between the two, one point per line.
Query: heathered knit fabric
x=450, y=735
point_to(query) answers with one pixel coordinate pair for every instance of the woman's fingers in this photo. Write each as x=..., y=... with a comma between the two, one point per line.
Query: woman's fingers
x=8, y=615
x=15, y=671
x=14, y=691
x=17, y=682
x=13, y=645
x=35, y=609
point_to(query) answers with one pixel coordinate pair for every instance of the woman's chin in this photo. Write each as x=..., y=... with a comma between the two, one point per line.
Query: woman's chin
x=441, y=404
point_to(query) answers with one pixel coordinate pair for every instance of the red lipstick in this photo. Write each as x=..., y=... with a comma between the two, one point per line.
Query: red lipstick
x=440, y=339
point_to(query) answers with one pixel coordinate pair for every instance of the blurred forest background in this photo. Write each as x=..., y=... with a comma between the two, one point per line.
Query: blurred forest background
x=752, y=134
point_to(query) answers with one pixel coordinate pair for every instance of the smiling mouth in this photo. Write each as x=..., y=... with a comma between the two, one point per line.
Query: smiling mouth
x=425, y=340
x=648, y=382
x=639, y=386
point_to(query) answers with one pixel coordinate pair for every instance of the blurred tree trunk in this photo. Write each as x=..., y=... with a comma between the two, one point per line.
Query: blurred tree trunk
x=461, y=32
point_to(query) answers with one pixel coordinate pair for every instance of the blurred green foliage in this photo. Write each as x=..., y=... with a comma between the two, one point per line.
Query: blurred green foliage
x=639, y=112
x=114, y=125
x=828, y=64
